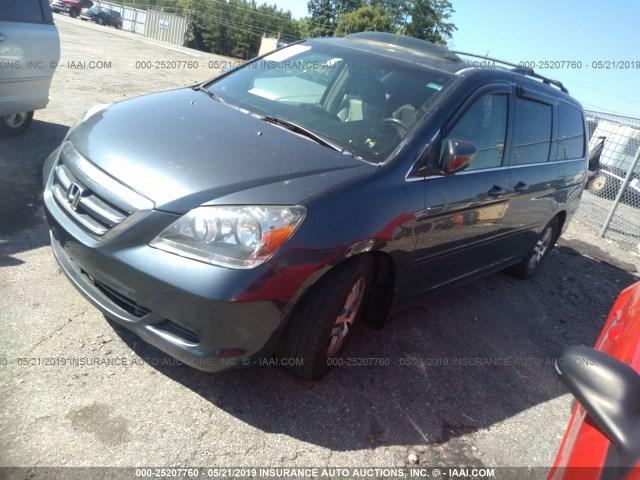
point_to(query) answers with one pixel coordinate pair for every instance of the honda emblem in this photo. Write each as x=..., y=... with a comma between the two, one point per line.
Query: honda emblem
x=74, y=195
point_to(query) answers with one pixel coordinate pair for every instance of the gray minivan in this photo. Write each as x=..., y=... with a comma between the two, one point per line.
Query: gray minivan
x=268, y=211
x=29, y=54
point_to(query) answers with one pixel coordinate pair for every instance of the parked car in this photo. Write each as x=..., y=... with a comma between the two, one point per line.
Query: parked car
x=29, y=54
x=103, y=16
x=267, y=211
x=72, y=7
x=603, y=437
x=618, y=145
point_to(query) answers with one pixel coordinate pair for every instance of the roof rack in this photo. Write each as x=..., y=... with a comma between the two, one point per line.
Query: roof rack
x=518, y=69
x=408, y=43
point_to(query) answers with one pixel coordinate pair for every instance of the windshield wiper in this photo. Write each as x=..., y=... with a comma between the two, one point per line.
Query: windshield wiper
x=208, y=92
x=294, y=127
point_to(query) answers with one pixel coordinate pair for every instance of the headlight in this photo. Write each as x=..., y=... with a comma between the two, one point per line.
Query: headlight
x=234, y=237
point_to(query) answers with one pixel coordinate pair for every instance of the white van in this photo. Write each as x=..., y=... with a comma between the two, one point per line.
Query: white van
x=29, y=54
x=621, y=143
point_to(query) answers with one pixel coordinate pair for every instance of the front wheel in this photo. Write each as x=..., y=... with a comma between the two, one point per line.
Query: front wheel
x=119, y=26
x=320, y=326
x=15, y=124
x=73, y=13
x=100, y=21
x=544, y=244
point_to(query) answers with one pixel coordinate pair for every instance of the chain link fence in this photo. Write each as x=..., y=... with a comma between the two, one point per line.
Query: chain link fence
x=611, y=204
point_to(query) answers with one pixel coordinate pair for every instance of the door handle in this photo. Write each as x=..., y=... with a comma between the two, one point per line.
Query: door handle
x=521, y=187
x=496, y=191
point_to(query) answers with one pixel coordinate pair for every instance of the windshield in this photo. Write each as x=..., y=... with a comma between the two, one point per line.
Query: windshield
x=362, y=102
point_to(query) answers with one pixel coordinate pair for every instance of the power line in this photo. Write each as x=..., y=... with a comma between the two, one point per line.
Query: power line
x=238, y=6
x=211, y=11
x=251, y=29
x=259, y=28
x=255, y=10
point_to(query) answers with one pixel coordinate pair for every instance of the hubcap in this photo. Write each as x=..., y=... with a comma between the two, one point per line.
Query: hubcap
x=16, y=120
x=541, y=248
x=346, y=317
x=599, y=183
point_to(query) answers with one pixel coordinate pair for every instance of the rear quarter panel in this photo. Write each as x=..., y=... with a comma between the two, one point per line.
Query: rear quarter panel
x=29, y=55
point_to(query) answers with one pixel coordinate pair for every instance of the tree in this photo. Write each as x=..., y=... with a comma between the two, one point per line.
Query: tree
x=235, y=27
x=323, y=17
x=396, y=9
x=364, y=19
x=348, y=6
x=427, y=20
x=304, y=27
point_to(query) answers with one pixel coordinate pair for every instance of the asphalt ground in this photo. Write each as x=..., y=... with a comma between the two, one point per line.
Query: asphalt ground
x=467, y=380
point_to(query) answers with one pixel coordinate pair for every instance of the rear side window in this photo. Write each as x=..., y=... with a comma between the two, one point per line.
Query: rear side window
x=532, y=134
x=29, y=11
x=570, y=133
x=484, y=124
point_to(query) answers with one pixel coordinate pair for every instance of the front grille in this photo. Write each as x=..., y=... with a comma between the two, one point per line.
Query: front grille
x=93, y=199
x=92, y=212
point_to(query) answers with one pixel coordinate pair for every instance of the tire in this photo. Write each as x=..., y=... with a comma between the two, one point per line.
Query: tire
x=119, y=26
x=544, y=244
x=319, y=327
x=601, y=184
x=100, y=21
x=73, y=13
x=16, y=124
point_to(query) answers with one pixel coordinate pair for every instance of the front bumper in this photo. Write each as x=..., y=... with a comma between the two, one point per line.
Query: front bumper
x=208, y=317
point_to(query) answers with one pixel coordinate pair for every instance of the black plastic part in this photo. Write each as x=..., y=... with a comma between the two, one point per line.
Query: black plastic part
x=457, y=155
x=517, y=69
x=609, y=391
x=410, y=43
x=594, y=155
x=530, y=73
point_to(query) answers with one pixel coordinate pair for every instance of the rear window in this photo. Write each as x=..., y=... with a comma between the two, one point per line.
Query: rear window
x=570, y=143
x=532, y=132
x=29, y=11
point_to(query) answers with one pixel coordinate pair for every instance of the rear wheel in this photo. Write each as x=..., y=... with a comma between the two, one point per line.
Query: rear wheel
x=318, y=331
x=118, y=26
x=544, y=244
x=73, y=13
x=15, y=124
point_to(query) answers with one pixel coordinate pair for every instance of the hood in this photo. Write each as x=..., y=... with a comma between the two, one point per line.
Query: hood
x=181, y=149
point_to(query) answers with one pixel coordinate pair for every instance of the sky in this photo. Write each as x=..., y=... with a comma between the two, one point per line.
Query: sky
x=583, y=32
x=298, y=8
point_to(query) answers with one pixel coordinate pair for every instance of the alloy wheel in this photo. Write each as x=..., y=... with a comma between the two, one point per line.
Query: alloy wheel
x=16, y=120
x=345, y=318
x=541, y=247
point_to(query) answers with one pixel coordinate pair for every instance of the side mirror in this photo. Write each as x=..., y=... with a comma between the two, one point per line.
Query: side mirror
x=609, y=391
x=457, y=155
